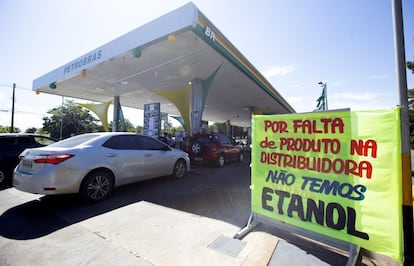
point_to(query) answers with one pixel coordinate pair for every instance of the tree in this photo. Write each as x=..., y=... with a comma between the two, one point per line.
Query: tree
x=125, y=126
x=31, y=130
x=139, y=129
x=410, y=65
x=6, y=129
x=71, y=119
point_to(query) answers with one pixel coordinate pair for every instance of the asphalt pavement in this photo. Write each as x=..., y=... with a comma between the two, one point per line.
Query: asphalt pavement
x=165, y=221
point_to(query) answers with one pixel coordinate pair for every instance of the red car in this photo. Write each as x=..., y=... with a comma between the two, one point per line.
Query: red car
x=216, y=148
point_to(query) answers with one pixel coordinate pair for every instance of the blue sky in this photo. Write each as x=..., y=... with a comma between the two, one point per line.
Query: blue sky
x=295, y=44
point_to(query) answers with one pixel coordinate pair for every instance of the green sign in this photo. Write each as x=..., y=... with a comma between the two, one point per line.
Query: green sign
x=334, y=173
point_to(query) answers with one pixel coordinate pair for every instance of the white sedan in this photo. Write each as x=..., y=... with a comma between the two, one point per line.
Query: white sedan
x=93, y=164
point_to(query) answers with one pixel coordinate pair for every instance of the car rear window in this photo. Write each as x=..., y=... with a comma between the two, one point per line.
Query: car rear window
x=123, y=142
x=74, y=141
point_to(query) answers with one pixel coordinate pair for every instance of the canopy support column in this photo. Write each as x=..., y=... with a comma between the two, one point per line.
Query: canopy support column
x=196, y=105
x=229, y=131
x=115, y=121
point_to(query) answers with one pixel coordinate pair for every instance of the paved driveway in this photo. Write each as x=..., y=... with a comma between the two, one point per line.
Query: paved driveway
x=164, y=221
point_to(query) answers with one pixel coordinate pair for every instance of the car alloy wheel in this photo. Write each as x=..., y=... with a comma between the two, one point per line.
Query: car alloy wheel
x=180, y=169
x=196, y=148
x=97, y=186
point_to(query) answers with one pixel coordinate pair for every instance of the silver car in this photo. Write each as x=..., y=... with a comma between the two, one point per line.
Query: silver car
x=93, y=164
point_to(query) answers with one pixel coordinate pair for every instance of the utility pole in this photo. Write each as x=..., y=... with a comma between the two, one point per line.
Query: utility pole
x=407, y=208
x=61, y=118
x=12, y=117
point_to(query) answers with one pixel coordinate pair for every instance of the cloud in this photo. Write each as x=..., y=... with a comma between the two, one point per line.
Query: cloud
x=277, y=71
x=385, y=76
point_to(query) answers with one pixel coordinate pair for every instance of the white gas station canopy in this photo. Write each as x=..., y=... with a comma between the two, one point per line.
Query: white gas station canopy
x=167, y=54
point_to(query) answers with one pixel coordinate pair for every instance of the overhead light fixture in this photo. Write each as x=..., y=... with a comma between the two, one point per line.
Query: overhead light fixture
x=172, y=38
x=83, y=73
x=136, y=53
x=52, y=85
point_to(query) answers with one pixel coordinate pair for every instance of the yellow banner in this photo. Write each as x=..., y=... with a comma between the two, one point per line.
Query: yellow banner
x=334, y=173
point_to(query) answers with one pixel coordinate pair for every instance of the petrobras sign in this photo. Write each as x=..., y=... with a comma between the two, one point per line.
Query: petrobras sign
x=210, y=34
x=82, y=62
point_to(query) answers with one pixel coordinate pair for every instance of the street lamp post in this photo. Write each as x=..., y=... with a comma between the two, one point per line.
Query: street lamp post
x=12, y=116
x=324, y=94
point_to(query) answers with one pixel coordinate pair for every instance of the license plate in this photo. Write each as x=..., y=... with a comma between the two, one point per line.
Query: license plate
x=198, y=158
x=27, y=164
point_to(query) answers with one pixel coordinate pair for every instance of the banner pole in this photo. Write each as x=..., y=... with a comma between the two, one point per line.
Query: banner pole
x=407, y=208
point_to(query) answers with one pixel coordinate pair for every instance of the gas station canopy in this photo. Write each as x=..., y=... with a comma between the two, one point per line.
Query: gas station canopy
x=164, y=57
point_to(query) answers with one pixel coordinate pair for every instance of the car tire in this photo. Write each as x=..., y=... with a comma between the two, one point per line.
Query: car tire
x=220, y=160
x=97, y=186
x=2, y=177
x=180, y=169
x=241, y=157
x=6, y=177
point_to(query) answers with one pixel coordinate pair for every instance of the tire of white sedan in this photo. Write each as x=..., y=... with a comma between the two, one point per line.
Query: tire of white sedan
x=180, y=169
x=97, y=186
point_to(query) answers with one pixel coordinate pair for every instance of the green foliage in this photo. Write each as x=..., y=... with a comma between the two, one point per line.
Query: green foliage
x=410, y=65
x=31, y=130
x=123, y=126
x=4, y=129
x=71, y=119
x=139, y=129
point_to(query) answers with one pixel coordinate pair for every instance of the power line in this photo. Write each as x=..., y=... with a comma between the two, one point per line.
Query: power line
x=17, y=87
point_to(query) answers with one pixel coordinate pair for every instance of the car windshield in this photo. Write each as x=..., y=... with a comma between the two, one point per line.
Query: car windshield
x=74, y=141
x=207, y=139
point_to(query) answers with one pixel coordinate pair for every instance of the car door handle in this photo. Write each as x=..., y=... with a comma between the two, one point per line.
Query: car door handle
x=148, y=155
x=110, y=155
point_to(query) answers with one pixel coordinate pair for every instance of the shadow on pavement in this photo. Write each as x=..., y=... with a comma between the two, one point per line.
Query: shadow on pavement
x=218, y=193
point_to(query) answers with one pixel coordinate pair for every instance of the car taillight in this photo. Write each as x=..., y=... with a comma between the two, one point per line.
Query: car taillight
x=52, y=159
